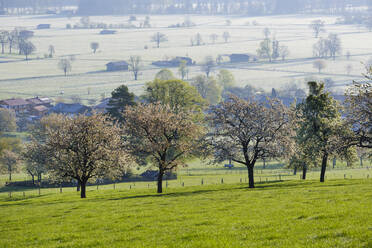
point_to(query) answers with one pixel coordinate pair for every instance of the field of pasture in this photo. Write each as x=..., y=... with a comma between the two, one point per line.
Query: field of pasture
x=41, y=77
x=280, y=214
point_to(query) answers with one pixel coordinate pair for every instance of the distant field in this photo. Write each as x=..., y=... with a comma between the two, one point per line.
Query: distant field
x=282, y=214
x=39, y=76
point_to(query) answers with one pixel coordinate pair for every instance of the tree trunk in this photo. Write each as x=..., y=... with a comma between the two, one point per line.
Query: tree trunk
x=33, y=179
x=10, y=175
x=295, y=171
x=78, y=186
x=251, y=176
x=83, y=189
x=264, y=163
x=160, y=181
x=361, y=161
x=304, y=170
x=334, y=162
x=324, y=167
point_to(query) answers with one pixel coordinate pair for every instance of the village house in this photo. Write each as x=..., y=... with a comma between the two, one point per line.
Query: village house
x=18, y=105
x=43, y=26
x=117, y=66
x=175, y=62
x=70, y=109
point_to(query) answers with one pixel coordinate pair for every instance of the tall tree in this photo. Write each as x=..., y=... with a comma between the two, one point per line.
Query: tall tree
x=164, y=74
x=94, y=46
x=120, y=99
x=246, y=131
x=159, y=38
x=208, y=65
x=65, y=65
x=358, y=112
x=51, y=51
x=26, y=48
x=10, y=162
x=321, y=127
x=208, y=88
x=265, y=49
x=135, y=65
x=317, y=26
x=225, y=78
x=179, y=95
x=164, y=136
x=183, y=70
x=3, y=39
x=7, y=120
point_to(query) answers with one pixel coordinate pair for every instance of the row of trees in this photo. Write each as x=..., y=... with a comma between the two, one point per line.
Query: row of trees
x=248, y=7
x=172, y=126
x=17, y=39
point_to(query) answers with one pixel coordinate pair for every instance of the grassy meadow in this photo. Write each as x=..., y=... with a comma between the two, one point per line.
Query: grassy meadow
x=280, y=214
x=39, y=76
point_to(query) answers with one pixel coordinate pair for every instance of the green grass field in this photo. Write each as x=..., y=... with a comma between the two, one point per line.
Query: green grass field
x=282, y=214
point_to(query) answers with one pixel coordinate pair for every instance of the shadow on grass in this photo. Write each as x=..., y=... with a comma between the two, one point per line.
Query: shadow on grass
x=273, y=185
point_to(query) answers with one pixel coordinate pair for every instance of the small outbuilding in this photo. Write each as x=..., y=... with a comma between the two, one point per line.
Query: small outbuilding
x=43, y=26
x=117, y=66
x=106, y=31
x=175, y=62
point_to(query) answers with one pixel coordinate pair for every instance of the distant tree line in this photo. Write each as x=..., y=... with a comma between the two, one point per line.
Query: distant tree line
x=248, y=7
x=33, y=6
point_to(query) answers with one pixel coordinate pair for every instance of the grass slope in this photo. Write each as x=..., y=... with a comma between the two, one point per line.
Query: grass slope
x=288, y=214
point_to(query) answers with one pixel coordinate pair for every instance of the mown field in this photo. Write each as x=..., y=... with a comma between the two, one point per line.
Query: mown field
x=39, y=76
x=282, y=214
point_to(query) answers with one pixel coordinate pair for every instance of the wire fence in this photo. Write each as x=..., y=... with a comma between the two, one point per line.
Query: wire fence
x=197, y=178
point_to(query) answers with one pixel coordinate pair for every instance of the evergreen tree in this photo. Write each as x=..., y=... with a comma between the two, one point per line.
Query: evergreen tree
x=120, y=99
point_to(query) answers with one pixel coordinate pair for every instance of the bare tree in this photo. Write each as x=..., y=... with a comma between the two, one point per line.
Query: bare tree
x=135, y=65
x=65, y=65
x=283, y=52
x=183, y=70
x=158, y=133
x=317, y=26
x=226, y=36
x=247, y=131
x=213, y=38
x=159, y=38
x=4, y=35
x=208, y=65
x=94, y=46
x=265, y=49
x=12, y=39
x=26, y=48
x=334, y=45
x=266, y=33
x=51, y=51
x=349, y=68
x=319, y=65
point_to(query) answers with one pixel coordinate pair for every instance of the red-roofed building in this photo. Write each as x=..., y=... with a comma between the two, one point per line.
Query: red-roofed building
x=19, y=105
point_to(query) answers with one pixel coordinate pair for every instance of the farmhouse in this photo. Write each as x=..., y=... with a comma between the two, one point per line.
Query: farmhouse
x=117, y=66
x=70, y=109
x=106, y=31
x=39, y=110
x=37, y=101
x=43, y=26
x=238, y=58
x=175, y=62
x=18, y=105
